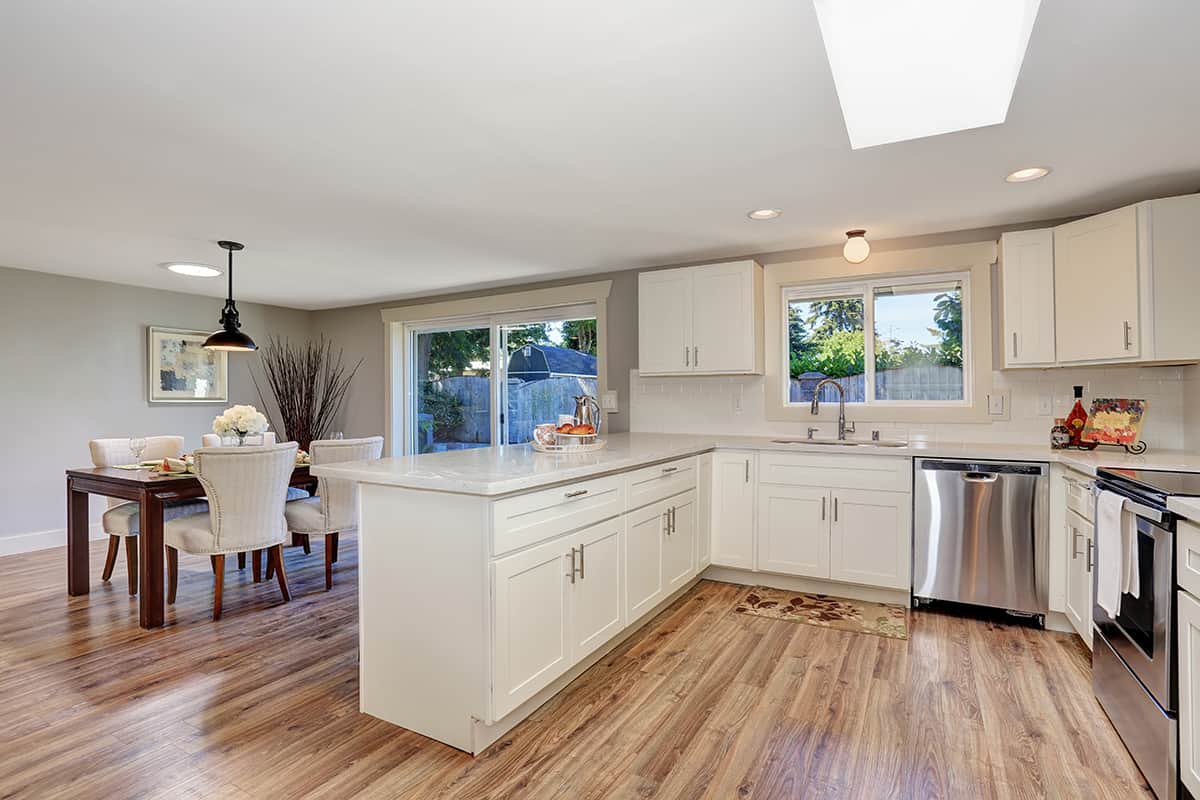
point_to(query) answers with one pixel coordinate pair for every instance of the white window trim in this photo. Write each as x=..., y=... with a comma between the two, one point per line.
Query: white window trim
x=866, y=289
x=401, y=322
x=976, y=258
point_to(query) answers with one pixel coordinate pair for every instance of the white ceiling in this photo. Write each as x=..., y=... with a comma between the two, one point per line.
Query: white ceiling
x=372, y=149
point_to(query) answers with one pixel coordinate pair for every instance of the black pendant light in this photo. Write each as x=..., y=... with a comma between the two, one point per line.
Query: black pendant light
x=230, y=337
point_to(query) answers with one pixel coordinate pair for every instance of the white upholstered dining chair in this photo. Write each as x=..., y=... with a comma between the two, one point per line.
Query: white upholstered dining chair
x=246, y=487
x=122, y=518
x=335, y=507
x=214, y=439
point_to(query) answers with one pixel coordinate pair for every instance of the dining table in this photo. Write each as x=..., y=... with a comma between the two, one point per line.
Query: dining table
x=153, y=491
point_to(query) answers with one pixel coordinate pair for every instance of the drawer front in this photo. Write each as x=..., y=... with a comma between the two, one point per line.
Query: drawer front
x=836, y=471
x=1187, y=553
x=1079, y=495
x=651, y=484
x=529, y=518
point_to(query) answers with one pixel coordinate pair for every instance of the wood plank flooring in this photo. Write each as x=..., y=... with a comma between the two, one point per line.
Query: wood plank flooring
x=699, y=704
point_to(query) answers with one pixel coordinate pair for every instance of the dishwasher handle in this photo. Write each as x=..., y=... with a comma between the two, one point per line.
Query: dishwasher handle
x=979, y=477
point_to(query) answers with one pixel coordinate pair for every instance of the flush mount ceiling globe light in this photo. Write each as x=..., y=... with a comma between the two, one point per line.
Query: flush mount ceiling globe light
x=1027, y=174
x=906, y=69
x=230, y=338
x=857, y=248
x=192, y=270
x=764, y=213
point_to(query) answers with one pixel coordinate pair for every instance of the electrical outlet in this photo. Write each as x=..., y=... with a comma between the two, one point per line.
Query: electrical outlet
x=737, y=403
x=609, y=402
x=996, y=404
x=1045, y=405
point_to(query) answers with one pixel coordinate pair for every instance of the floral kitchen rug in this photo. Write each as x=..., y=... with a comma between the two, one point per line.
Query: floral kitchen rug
x=859, y=616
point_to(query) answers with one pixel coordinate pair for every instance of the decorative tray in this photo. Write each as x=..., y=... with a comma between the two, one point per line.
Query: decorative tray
x=565, y=445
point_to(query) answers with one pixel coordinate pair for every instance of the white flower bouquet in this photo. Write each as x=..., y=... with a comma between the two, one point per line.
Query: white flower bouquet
x=240, y=421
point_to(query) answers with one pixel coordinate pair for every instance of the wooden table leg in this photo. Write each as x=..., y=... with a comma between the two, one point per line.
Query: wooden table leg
x=78, y=577
x=150, y=555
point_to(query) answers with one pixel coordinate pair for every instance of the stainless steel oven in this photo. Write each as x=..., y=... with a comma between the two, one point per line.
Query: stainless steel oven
x=1133, y=659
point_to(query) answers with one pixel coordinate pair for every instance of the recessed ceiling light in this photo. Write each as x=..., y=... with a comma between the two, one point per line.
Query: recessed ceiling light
x=906, y=69
x=1027, y=174
x=764, y=213
x=193, y=270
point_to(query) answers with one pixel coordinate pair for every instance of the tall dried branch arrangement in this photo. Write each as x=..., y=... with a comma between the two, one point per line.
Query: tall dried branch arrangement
x=309, y=384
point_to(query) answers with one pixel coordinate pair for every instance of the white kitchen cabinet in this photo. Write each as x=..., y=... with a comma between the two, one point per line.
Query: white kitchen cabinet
x=1189, y=692
x=704, y=510
x=1027, y=279
x=679, y=547
x=703, y=320
x=596, y=599
x=1080, y=553
x=645, y=530
x=532, y=647
x=733, y=504
x=1125, y=284
x=793, y=530
x=871, y=538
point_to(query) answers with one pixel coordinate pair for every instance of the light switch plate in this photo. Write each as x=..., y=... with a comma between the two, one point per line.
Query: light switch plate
x=1045, y=405
x=609, y=402
x=996, y=404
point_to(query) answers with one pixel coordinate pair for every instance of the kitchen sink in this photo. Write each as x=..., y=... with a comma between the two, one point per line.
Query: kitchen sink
x=842, y=442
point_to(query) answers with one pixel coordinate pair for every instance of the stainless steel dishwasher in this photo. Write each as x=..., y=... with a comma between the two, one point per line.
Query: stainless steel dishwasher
x=981, y=534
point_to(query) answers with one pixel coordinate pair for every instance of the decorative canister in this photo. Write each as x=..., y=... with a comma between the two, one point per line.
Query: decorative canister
x=1060, y=435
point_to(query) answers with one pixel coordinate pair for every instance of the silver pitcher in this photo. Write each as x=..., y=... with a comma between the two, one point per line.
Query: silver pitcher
x=587, y=411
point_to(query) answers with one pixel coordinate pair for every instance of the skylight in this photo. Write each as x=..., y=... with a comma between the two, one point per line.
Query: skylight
x=906, y=69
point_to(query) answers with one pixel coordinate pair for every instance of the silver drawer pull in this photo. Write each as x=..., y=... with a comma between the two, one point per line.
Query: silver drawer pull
x=669, y=469
x=576, y=493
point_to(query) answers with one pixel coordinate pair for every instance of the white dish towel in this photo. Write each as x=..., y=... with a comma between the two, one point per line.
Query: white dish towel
x=1116, y=544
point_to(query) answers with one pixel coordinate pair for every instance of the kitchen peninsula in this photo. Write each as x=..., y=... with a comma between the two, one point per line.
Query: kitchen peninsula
x=491, y=578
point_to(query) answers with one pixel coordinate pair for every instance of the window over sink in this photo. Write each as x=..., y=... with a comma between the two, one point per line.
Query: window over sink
x=919, y=353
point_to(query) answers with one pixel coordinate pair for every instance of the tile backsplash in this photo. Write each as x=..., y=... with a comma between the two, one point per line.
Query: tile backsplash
x=735, y=405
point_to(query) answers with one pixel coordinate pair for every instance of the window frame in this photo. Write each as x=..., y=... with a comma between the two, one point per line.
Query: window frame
x=865, y=288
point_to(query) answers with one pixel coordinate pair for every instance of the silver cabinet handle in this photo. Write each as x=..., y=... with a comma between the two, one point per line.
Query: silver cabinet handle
x=669, y=469
x=687, y=356
x=835, y=504
x=823, y=499
x=667, y=522
x=1074, y=542
x=747, y=470
x=571, y=574
x=672, y=518
x=696, y=356
x=576, y=493
x=581, y=575
x=1090, y=548
x=1014, y=344
x=1128, y=339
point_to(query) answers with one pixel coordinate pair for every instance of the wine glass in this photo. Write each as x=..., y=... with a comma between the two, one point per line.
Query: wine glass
x=137, y=446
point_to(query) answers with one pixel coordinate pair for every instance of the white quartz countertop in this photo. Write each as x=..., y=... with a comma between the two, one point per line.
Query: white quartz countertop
x=1187, y=507
x=493, y=471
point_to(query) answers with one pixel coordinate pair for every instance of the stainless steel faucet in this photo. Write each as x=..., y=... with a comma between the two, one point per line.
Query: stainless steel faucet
x=843, y=427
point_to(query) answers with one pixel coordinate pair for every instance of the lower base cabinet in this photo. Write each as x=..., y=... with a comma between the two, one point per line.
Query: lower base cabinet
x=1189, y=692
x=555, y=603
x=1080, y=554
x=645, y=532
x=679, y=547
x=853, y=535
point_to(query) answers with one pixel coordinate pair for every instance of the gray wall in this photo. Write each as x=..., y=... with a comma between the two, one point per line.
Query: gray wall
x=73, y=368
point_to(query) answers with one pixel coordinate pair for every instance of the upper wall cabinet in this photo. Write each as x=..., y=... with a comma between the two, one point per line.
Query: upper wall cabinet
x=1027, y=279
x=704, y=320
x=1126, y=283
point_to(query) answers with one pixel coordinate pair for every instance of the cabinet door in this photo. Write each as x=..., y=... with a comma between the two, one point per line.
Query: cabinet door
x=870, y=538
x=597, y=603
x=665, y=322
x=733, y=509
x=530, y=628
x=679, y=548
x=793, y=530
x=704, y=510
x=723, y=318
x=1189, y=692
x=1096, y=288
x=1027, y=274
x=645, y=530
x=1079, y=575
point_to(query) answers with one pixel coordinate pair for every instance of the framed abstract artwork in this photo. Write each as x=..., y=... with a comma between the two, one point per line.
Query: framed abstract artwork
x=182, y=371
x=1115, y=421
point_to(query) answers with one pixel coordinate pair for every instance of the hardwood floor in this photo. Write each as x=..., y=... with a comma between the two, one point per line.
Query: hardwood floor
x=700, y=703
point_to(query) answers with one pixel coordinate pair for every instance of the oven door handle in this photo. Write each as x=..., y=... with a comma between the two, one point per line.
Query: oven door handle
x=1146, y=512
